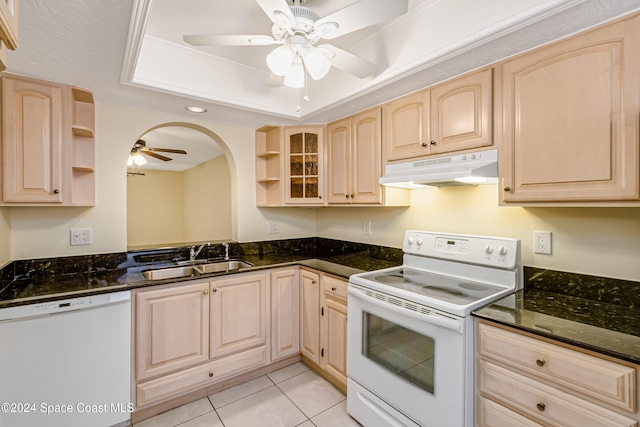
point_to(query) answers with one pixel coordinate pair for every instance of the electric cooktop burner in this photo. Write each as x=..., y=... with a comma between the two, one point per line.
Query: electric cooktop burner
x=444, y=288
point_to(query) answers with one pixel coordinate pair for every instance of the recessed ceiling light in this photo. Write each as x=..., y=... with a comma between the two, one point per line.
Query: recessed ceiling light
x=196, y=109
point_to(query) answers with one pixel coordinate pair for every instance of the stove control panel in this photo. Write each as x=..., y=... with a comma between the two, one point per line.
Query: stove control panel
x=483, y=250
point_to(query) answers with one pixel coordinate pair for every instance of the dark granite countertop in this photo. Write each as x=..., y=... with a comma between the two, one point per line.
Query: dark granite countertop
x=590, y=312
x=35, y=281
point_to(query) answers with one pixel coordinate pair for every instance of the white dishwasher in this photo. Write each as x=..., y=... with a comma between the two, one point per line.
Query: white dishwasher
x=67, y=363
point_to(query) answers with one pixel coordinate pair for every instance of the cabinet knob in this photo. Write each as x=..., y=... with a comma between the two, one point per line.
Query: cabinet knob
x=540, y=362
x=313, y=282
x=206, y=292
x=56, y=191
x=346, y=195
x=433, y=142
x=541, y=407
x=507, y=189
x=210, y=374
x=424, y=144
x=333, y=289
x=214, y=290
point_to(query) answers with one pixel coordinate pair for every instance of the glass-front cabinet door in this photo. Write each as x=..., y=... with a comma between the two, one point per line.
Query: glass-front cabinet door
x=304, y=165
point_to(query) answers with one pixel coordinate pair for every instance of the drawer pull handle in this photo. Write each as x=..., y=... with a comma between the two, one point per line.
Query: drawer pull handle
x=210, y=374
x=541, y=407
x=540, y=362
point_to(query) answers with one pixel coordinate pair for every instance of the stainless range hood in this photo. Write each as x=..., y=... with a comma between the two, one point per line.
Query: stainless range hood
x=479, y=167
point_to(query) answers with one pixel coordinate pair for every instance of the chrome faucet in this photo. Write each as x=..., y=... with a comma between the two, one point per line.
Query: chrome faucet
x=226, y=251
x=193, y=253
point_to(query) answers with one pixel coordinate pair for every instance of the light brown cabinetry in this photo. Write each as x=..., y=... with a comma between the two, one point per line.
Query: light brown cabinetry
x=571, y=129
x=238, y=313
x=171, y=329
x=333, y=328
x=354, y=159
x=269, y=166
x=310, y=315
x=189, y=336
x=48, y=146
x=528, y=381
x=323, y=324
x=304, y=165
x=8, y=29
x=285, y=313
x=453, y=116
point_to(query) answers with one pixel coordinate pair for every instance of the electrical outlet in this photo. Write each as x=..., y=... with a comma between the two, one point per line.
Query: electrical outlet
x=81, y=236
x=273, y=227
x=366, y=228
x=542, y=242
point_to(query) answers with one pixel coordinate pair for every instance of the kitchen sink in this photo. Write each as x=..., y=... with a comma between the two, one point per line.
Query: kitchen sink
x=195, y=270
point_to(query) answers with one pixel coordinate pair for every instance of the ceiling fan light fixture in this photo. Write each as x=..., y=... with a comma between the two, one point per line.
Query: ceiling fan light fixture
x=295, y=76
x=280, y=60
x=139, y=159
x=317, y=64
x=195, y=109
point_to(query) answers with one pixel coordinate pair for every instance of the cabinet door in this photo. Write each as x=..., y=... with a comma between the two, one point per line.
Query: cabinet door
x=339, y=187
x=304, y=166
x=32, y=135
x=461, y=113
x=333, y=328
x=238, y=313
x=406, y=122
x=310, y=315
x=366, y=157
x=285, y=314
x=171, y=329
x=571, y=119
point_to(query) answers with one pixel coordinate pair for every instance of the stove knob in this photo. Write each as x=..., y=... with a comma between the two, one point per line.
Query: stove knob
x=411, y=240
x=419, y=241
x=488, y=249
x=502, y=250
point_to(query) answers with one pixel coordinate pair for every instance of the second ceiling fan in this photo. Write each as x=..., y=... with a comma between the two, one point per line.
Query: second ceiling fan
x=298, y=29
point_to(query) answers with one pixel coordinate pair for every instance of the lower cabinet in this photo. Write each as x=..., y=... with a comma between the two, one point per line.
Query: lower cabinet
x=191, y=335
x=525, y=381
x=323, y=324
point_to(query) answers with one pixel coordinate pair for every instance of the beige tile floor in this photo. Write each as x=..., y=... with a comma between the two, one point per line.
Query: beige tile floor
x=292, y=396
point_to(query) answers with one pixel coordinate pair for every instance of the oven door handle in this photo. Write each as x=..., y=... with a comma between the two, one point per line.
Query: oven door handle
x=433, y=318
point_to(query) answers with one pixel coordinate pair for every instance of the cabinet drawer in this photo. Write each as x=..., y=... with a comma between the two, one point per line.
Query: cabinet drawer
x=334, y=286
x=492, y=414
x=210, y=373
x=544, y=402
x=601, y=379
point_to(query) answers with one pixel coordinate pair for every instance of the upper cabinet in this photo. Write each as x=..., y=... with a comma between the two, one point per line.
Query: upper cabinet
x=8, y=29
x=269, y=166
x=354, y=162
x=453, y=116
x=354, y=159
x=304, y=164
x=571, y=120
x=48, y=147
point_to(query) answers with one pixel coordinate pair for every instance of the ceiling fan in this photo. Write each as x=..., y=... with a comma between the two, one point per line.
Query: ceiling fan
x=140, y=148
x=298, y=29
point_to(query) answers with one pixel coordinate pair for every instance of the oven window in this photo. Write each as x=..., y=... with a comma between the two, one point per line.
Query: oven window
x=400, y=350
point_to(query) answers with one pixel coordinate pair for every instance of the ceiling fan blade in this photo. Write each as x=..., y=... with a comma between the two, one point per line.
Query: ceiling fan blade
x=362, y=14
x=156, y=155
x=349, y=62
x=278, y=11
x=225, y=40
x=167, y=150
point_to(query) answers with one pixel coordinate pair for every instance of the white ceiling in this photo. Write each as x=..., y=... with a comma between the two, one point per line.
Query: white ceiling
x=131, y=51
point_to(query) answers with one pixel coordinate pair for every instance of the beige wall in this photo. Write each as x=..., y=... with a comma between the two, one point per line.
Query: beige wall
x=207, y=201
x=598, y=241
x=155, y=213
x=5, y=236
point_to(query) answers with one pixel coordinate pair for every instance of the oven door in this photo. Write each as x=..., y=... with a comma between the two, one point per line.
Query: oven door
x=404, y=360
